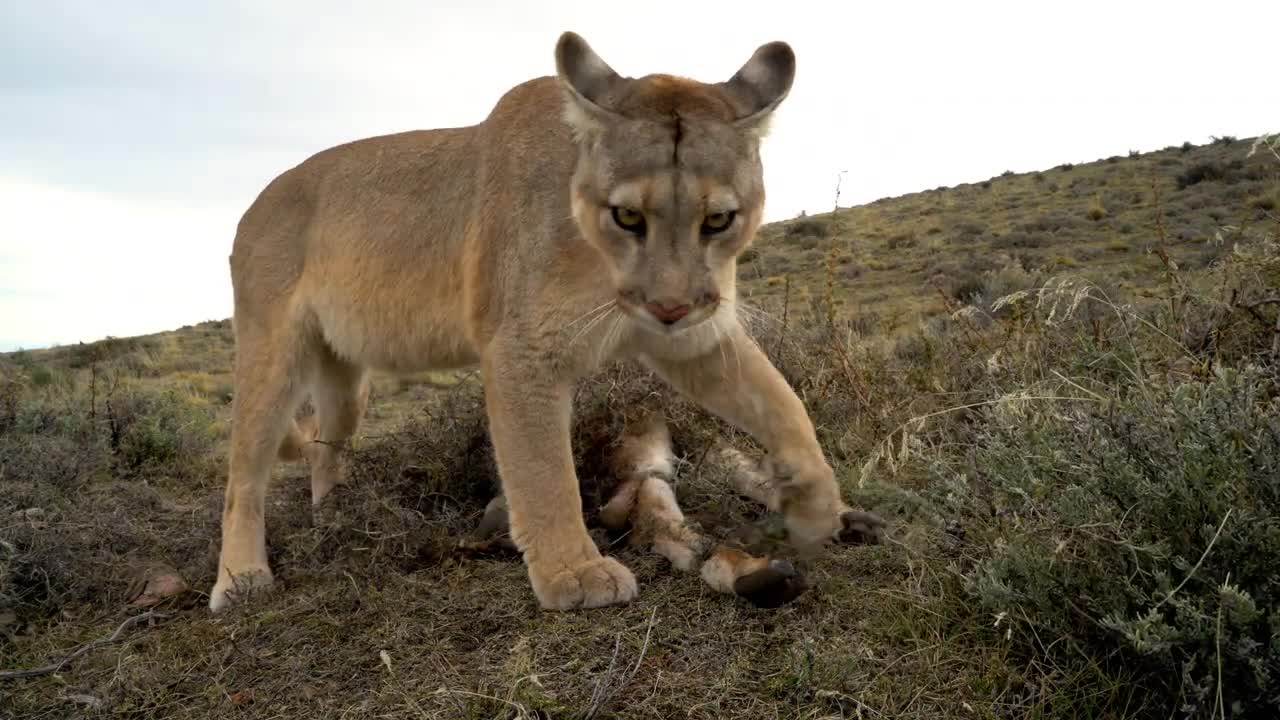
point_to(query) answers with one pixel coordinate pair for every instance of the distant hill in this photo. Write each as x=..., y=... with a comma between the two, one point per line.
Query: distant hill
x=897, y=259
x=900, y=259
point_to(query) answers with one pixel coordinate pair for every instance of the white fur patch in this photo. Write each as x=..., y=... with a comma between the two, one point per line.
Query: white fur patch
x=628, y=194
x=580, y=120
x=760, y=126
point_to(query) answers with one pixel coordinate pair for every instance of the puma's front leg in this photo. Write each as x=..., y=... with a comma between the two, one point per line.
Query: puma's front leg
x=529, y=422
x=736, y=381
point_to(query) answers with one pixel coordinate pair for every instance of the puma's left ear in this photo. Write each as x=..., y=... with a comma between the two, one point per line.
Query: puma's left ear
x=762, y=84
x=588, y=81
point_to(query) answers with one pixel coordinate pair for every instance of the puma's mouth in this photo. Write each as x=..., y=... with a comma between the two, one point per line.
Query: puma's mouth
x=665, y=320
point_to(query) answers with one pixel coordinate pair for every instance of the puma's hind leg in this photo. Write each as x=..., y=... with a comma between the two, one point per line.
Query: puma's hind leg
x=340, y=394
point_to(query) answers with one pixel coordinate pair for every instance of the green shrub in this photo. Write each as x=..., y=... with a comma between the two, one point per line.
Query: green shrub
x=1142, y=533
x=1097, y=210
x=806, y=227
x=1050, y=222
x=906, y=239
x=1265, y=203
x=1020, y=239
x=165, y=431
x=54, y=460
x=1200, y=172
x=41, y=376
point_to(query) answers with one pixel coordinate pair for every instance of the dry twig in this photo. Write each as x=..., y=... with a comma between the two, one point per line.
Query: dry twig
x=83, y=649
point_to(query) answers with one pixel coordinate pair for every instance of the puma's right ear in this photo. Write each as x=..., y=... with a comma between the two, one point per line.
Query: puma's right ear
x=588, y=80
x=761, y=84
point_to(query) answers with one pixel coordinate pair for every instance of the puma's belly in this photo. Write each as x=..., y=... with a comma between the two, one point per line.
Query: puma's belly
x=394, y=328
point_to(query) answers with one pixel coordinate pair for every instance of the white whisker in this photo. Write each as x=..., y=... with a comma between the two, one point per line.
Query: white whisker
x=737, y=357
x=609, y=337
x=584, y=315
x=752, y=312
x=715, y=328
x=594, y=321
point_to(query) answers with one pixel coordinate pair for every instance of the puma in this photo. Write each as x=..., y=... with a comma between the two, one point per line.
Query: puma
x=590, y=218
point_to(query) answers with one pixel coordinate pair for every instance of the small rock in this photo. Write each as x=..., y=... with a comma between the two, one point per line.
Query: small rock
x=153, y=582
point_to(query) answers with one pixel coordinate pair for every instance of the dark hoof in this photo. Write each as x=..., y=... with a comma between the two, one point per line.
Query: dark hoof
x=861, y=528
x=772, y=586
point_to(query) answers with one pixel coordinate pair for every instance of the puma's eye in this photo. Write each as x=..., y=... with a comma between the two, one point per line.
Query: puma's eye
x=717, y=222
x=629, y=219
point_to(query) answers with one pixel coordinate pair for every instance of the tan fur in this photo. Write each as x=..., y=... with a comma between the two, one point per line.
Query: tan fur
x=494, y=245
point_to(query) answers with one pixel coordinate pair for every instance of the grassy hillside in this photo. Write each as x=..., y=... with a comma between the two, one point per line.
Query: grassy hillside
x=1061, y=388
x=899, y=259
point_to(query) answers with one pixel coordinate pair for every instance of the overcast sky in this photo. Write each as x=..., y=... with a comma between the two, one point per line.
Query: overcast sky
x=133, y=135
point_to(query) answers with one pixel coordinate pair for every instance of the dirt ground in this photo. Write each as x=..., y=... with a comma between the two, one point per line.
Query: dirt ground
x=376, y=612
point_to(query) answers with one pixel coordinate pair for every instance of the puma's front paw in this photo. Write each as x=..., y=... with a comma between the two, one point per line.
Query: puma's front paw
x=861, y=528
x=810, y=501
x=593, y=582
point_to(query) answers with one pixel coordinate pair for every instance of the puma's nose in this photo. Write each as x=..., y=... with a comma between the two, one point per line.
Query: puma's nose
x=667, y=314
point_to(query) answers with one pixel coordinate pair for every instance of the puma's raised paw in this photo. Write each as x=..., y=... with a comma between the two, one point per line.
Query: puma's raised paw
x=596, y=582
x=243, y=585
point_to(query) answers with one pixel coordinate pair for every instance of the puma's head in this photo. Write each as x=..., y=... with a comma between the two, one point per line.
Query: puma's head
x=669, y=183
